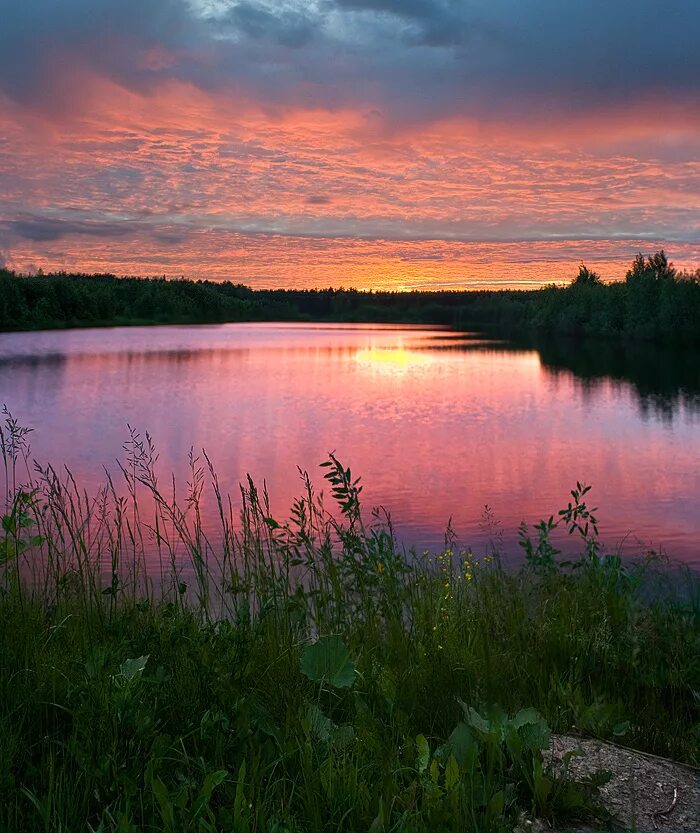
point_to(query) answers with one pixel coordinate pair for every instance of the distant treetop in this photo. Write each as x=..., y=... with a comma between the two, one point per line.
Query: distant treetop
x=586, y=277
x=656, y=267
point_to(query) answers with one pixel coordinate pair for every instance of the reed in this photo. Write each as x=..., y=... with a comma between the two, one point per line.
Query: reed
x=309, y=674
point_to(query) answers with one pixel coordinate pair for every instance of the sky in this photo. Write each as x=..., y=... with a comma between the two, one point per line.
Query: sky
x=371, y=143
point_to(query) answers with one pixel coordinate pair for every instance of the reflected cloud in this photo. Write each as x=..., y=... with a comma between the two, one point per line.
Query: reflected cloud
x=437, y=424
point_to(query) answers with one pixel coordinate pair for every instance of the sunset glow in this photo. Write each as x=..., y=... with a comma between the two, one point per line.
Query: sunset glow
x=395, y=360
x=364, y=143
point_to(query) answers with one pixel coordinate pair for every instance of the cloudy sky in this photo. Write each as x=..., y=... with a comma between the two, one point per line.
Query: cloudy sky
x=386, y=143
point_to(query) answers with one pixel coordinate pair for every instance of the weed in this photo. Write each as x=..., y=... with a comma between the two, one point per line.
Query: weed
x=308, y=674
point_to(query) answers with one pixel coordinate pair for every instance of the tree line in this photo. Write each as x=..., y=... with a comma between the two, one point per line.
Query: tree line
x=655, y=303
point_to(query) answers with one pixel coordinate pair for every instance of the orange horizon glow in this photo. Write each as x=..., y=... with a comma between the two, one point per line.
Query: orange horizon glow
x=184, y=182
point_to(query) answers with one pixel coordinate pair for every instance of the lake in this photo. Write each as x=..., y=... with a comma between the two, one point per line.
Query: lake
x=438, y=424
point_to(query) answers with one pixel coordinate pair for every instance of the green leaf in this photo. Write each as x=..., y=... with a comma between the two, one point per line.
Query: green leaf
x=476, y=721
x=451, y=773
x=342, y=736
x=167, y=812
x=240, y=805
x=532, y=729
x=131, y=668
x=496, y=804
x=620, y=729
x=423, y=753
x=317, y=724
x=568, y=756
x=8, y=551
x=434, y=772
x=378, y=825
x=211, y=781
x=462, y=745
x=328, y=660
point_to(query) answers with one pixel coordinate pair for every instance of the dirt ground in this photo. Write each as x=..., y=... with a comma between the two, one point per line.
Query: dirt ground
x=647, y=794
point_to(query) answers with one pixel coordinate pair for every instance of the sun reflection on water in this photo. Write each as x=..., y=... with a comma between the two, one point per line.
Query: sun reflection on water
x=392, y=360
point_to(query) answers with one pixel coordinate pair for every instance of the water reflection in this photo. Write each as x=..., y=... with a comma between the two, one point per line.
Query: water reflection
x=438, y=424
x=665, y=381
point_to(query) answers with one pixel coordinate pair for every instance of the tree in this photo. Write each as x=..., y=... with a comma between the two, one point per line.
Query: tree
x=654, y=268
x=586, y=277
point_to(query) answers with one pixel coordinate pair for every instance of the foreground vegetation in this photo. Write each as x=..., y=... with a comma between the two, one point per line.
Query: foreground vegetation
x=655, y=303
x=309, y=675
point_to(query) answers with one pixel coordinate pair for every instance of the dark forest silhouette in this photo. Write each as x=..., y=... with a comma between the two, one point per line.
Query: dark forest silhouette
x=654, y=303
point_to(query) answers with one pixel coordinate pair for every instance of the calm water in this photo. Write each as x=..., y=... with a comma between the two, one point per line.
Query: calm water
x=437, y=425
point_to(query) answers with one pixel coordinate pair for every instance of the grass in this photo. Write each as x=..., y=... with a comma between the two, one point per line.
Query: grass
x=308, y=675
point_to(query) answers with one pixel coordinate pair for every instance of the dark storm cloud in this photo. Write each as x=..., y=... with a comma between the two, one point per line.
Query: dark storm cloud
x=44, y=229
x=411, y=59
x=410, y=9
x=431, y=23
x=47, y=46
x=292, y=29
